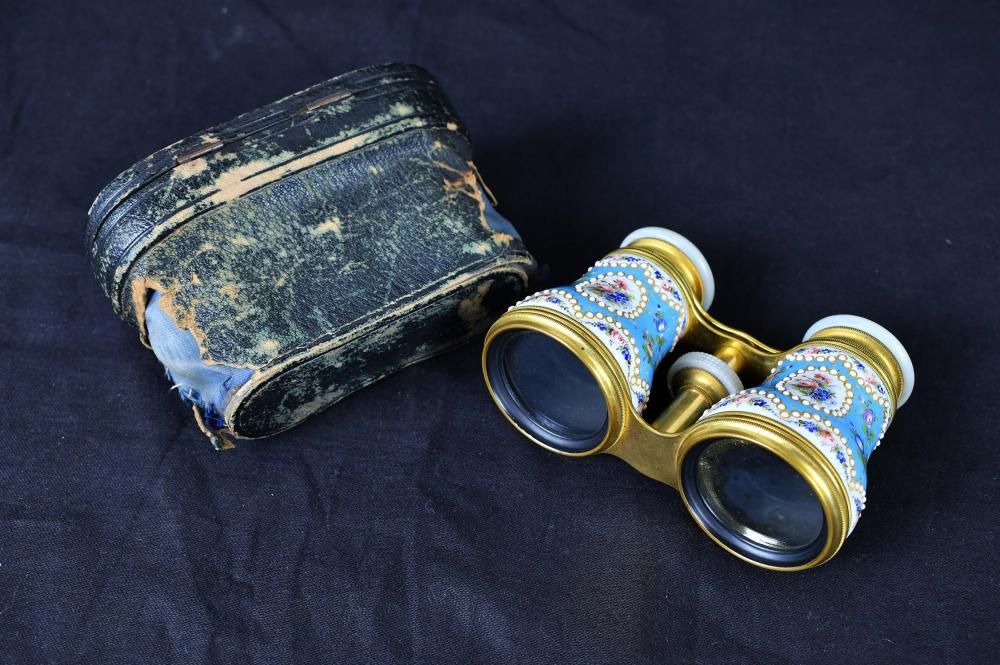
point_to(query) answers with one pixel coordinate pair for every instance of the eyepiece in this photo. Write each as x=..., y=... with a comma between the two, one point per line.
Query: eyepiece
x=547, y=391
x=754, y=502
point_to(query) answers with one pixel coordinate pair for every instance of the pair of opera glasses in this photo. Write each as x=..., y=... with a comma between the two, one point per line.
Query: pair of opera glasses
x=776, y=473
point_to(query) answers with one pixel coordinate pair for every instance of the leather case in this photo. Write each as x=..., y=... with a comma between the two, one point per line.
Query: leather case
x=312, y=246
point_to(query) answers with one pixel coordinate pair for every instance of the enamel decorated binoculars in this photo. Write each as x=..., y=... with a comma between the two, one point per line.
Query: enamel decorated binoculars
x=774, y=473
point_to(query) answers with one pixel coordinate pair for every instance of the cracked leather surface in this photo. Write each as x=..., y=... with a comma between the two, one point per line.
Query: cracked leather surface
x=323, y=254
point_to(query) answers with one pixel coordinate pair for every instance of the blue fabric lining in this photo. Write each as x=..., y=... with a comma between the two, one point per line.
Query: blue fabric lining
x=208, y=386
x=497, y=221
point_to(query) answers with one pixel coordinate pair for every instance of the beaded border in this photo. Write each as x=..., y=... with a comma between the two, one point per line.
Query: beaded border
x=633, y=313
x=632, y=369
x=846, y=403
x=867, y=380
x=672, y=295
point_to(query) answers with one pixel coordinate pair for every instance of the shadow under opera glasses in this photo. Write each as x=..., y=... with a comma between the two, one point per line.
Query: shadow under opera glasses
x=774, y=473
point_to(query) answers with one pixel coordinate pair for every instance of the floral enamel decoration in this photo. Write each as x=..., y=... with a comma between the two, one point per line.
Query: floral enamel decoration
x=823, y=387
x=869, y=380
x=654, y=341
x=814, y=385
x=664, y=285
x=617, y=339
x=554, y=299
x=632, y=306
x=832, y=399
x=618, y=292
x=866, y=434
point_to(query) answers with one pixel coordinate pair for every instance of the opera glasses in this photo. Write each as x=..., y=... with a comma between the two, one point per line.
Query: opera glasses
x=774, y=473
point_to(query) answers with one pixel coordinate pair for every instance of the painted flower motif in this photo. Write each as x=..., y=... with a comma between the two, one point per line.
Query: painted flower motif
x=868, y=379
x=667, y=285
x=818, y=386
x=823, y=434
x=857, y=505
x=620, y=294
x=864, y=433
x=816, y=351
x=614, y=290
x=653, y=341
x=553, y=300
x=612, y=336
x=745, y=399
x=828, y=438
x=671, y=290
x=753, y=400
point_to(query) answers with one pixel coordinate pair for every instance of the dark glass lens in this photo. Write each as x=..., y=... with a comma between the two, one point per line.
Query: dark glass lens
x=545, y=388
x=755, y=502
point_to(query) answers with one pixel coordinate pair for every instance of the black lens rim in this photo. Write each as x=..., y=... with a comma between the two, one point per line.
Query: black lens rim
x=507, y=397
x=779, y=558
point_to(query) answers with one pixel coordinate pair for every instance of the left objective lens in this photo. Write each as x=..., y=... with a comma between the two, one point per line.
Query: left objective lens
x=547, y=390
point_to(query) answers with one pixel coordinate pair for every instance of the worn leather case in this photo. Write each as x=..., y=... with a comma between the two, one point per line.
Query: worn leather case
x=322, y=242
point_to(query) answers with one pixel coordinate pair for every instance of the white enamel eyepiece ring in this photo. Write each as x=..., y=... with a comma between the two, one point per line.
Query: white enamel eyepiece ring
x=688, y=249
x=881, y=334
